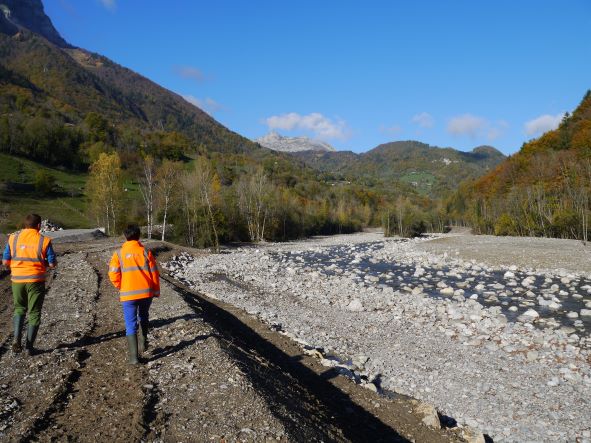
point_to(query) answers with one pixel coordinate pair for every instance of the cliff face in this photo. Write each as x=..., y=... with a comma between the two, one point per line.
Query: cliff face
x=28, y=14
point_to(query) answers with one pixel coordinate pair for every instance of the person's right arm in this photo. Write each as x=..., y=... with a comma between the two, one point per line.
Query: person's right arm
x=115, y=271
x=6, y=257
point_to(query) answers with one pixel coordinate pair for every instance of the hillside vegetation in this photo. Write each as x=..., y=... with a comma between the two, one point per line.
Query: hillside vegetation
x=26, y=180
x=430, y=170
x=542, y=190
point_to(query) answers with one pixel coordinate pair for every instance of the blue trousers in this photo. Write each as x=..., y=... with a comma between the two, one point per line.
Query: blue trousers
x=135, y=311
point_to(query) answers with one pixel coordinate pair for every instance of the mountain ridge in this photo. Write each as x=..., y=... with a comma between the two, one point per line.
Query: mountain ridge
x=29, y=14
x=40, y=67
x=277, y=142
x=430, y=169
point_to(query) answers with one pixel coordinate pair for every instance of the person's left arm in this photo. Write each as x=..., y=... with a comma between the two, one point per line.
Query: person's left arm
x=51, y=260
x=155, y=274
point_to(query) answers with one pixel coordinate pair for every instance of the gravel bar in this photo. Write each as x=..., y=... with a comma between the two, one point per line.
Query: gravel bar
x=511, y=370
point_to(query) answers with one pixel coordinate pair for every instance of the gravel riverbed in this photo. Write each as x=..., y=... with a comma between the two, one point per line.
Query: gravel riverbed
x=494, y=344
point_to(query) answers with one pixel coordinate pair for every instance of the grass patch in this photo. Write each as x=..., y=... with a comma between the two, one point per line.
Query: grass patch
x=423, y=182
x=20, y=170
x=66, y=207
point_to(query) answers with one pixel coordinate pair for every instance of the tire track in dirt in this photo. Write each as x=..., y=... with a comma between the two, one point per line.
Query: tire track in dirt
x=201, y=394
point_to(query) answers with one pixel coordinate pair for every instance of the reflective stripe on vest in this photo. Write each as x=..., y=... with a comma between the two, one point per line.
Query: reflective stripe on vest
x=135, y=292
x=135, y=268
x=28, y=278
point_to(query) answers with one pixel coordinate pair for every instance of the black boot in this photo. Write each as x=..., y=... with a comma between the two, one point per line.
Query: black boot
x=142, y=339
x=132, y=348
x=18, y=321
x=31, y=336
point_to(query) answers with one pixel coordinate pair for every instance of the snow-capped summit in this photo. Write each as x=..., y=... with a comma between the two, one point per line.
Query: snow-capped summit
x=278, y=142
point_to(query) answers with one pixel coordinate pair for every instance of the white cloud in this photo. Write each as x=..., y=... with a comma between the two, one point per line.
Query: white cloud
x=315, y=122
x=109, y=4
x=542, y=124
x=208, y=105
x=466, y=124
x=424, y=120
x=190, y=73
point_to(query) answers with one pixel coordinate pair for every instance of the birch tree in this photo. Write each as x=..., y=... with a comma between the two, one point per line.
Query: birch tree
x=208, y=186
x=105, y=190
x=200, y=191
x=252, y=192
x=167, y=182
x=148, y=190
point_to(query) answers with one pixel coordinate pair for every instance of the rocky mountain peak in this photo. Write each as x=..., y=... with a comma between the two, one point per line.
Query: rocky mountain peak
x=28, y=14
x=277, y=142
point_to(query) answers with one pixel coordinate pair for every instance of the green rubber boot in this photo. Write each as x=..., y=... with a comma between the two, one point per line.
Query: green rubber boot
x=142, y=339
x=132, y=348
x=18, y=321
x=31, y=336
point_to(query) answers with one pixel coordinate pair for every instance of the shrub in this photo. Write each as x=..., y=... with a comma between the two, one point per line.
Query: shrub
x=505, y=225
x=44, y=182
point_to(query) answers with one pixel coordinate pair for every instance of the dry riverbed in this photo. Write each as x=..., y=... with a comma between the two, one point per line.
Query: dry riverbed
x=495, y=336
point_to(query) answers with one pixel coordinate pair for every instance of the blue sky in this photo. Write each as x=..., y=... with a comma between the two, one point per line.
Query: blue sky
x=458, y=73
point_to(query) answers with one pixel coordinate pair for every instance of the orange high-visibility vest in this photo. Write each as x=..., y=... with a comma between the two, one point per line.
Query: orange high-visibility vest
x=28, y=251
x=134, y=272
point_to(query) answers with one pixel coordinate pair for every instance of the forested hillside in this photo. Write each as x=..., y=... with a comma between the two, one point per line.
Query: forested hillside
x=73, y=97
x=543, y=190
x=430, y=170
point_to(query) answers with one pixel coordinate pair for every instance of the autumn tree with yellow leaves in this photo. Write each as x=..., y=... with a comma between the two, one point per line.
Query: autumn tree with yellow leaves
x=105, y=190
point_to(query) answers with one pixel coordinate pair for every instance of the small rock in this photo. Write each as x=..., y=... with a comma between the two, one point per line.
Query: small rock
x=360, y=361
x=447, y=291
x=471, y=435
x=529, y=315
x=429, y=414
x=355, y=305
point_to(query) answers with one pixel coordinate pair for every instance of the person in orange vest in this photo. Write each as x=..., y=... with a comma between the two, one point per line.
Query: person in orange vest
x=134, y=273
x=28, y=254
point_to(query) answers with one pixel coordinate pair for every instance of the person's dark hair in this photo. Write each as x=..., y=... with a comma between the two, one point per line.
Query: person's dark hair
x=32, y=221
x=132, y=232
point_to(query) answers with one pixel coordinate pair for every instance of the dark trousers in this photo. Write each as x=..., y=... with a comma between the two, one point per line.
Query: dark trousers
x=28, y=297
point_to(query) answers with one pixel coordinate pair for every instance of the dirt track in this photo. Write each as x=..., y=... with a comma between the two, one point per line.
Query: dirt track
x=213, y=373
